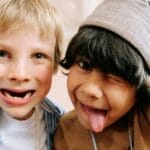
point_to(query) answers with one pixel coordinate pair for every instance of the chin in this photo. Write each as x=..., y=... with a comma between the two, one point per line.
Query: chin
x=20, y=114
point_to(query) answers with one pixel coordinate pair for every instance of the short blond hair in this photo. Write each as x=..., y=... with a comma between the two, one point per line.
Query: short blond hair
x=37, y=13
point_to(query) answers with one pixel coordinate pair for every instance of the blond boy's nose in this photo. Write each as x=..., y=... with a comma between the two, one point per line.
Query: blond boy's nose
x=18, y=72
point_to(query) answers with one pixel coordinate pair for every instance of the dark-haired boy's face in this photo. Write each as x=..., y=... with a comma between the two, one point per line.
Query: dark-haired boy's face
x=26, y=69
x=99, y=99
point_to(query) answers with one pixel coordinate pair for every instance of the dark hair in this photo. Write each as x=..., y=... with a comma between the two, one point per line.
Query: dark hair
x=108, y=52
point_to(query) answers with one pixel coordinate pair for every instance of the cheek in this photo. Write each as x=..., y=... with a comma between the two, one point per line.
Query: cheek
x=126, y=99
x=73, y=79
x=4, y=68
x=71, y=86
x=44, y=76
x=121, y=102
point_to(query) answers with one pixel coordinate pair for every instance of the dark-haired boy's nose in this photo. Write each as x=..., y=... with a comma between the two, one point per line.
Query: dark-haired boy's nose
x=92, y=87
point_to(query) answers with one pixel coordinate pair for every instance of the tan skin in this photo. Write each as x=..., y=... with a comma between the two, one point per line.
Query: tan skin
x=93, y=91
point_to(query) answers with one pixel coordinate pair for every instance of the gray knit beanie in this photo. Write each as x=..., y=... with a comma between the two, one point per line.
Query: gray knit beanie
x=128, y=18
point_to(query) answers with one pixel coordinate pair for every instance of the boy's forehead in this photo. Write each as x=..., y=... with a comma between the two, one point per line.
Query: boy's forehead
x=30, y=29
x=29, y=35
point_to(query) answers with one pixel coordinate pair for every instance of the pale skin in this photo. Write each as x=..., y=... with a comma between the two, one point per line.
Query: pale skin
x=99, y=99
x=26, y=69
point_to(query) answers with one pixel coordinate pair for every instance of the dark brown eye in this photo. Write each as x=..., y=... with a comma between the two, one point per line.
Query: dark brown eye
x=116, y=79
x=3, y=53
x=85, y=64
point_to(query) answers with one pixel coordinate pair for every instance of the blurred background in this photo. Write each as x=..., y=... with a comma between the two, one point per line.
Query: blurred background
x=73, y=12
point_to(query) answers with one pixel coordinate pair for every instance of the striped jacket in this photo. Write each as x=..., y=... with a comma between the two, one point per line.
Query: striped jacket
x=51, y=116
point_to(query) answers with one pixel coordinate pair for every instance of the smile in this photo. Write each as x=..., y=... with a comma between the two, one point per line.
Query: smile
x=16, y=97
x=94, y=110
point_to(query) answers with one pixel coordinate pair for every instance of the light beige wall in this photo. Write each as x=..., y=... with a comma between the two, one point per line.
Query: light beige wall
x=73, y=13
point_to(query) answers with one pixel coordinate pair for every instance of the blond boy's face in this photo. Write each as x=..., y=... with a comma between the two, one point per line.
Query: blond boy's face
x=26, y=69
x=99, y=99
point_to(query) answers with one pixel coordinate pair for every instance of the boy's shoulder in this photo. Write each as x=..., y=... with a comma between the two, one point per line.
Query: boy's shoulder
x=52, y=114
x=70, y=122
x=50, y=107
x=70, y=134
x=69, y=118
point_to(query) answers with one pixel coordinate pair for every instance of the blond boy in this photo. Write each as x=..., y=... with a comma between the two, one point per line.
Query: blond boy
x=30, y=44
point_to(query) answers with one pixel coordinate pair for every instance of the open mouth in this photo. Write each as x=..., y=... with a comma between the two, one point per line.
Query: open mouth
x=94, y=110
x=17, y=95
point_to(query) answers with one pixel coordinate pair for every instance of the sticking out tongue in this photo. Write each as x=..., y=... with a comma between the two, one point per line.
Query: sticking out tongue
x=96, y=119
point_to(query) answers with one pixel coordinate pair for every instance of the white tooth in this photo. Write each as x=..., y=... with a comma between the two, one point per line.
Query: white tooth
x=28, y=95
x=17, y=98
x=7, y=94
